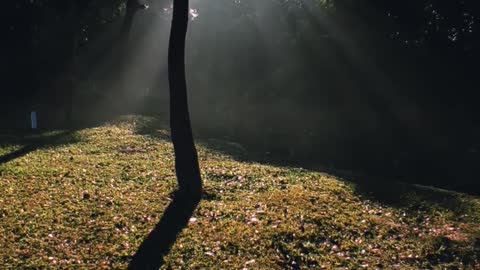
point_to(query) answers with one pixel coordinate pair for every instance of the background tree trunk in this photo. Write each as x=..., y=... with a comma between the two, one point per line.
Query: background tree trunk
x=71, y=70
x=132, y=7
x=125, y=53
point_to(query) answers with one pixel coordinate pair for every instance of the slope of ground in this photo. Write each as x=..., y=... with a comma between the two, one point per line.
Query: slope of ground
x=87, y=199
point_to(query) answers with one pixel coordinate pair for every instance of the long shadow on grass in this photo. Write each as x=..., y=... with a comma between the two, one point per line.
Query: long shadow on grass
x=157, y=244
x=51, y=137
x=32, y=142
x=415, y=199
x=388, y=190
x=375, y=185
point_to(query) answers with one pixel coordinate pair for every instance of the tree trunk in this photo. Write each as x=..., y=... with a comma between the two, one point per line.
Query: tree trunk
x=151, y=252
x=131, y=9
x=124, y=53
x=186, y=160
x=74, y=16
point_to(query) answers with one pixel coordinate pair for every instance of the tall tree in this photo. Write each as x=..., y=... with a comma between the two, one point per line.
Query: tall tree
x=157, y=244
x=186, y=160
x=132, y=6
x=74, y=28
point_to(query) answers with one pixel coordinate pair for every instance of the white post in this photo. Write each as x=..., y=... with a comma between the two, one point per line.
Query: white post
x=33, y=119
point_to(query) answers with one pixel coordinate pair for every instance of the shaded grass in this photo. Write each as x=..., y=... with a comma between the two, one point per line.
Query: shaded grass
x=91, y=202
x=15, y=145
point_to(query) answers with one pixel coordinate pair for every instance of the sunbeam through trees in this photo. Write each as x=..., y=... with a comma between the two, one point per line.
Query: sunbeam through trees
x=273, y=134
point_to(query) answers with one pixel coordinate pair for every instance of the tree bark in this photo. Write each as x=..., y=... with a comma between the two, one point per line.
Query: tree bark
x=132, y=6
x=74, y=16
x=151, y=252
x=186, y=160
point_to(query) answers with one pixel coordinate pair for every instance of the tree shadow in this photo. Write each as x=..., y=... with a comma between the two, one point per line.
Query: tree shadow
x=151, y=253
x=31, y=142
x=411, y=194
x=413, y=197
x=153, y=126
x=413, y=200
x=414, y=191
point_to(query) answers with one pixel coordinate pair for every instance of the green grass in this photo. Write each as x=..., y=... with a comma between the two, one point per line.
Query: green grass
x=86, y=200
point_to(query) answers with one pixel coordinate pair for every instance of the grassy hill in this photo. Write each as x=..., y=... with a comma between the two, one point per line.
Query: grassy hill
x=87, y=199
